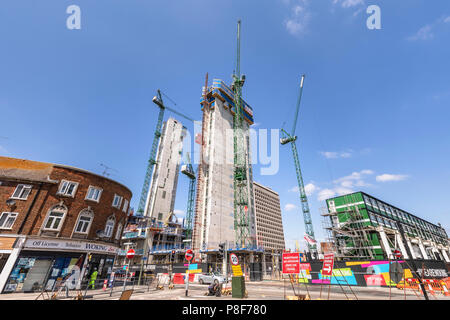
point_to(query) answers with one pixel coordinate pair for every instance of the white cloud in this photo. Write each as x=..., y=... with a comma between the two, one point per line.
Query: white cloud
x=391, y=177
x=290, y=207
x=424, y=33
x=325, y=194
x=345, y=185
x=335, y=155
x=348, y=3
x=354, y=179
x=310, y=188
x=300, y=17
x=178, y=212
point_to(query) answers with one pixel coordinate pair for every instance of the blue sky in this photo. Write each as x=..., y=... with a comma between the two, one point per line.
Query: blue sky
x=374, y=114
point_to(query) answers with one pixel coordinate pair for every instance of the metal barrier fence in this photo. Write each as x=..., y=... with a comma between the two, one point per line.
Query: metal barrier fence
x=100, y=288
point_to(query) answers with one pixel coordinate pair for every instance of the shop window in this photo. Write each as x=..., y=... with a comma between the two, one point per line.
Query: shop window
x=94, y=193
x=84, y=221
x=109, y=226
x=22, y=191
x=67, y=188
x=117, y=201
x=7, y=220
x=55, y=218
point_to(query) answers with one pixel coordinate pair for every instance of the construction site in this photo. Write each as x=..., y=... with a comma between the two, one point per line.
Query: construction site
x=225, y=215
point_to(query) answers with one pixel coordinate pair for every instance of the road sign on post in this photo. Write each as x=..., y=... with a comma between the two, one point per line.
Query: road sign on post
x=291, y=262
x=189, y=255
x=130, y=254
x=328, y=262
x=234, y=259
x=397, y=254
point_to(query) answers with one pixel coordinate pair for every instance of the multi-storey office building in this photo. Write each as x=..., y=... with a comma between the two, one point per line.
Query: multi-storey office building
x=52, y=218
x=214, y=221
x=269, y=224
x=364, y=227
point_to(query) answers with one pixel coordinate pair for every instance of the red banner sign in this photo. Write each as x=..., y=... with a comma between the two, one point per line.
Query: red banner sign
x=328, y=262
x=291, y=262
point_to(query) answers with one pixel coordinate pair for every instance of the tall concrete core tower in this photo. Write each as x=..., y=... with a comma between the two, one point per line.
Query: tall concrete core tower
x=161, y=196
x=214, y=221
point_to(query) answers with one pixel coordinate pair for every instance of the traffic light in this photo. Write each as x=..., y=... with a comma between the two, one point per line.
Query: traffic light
x=172, y=255
x=221, y=248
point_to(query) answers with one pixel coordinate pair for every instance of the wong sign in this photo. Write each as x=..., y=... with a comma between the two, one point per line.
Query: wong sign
x=291, y=262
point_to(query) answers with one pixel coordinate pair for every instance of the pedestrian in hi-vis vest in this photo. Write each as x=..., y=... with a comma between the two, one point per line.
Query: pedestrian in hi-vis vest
x=93, y=278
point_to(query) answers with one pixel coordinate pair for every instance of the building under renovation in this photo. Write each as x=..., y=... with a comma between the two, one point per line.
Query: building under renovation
x=214, y=221
x=362, y=227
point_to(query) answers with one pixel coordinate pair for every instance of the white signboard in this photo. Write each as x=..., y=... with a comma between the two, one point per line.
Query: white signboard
x=69, y=246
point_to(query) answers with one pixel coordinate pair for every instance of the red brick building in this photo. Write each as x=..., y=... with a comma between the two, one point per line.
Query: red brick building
x=52, y=217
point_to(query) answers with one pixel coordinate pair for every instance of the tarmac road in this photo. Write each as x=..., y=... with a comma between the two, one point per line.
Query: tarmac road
x=265, y=290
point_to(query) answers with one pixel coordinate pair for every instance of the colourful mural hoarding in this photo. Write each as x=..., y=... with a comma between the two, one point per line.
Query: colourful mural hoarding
x=366, y=273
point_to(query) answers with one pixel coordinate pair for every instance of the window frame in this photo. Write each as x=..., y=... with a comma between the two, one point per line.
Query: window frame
x=24, y=186
x=9, y=214
x=125, y=205
x=74, y=192
x=119, y=231
x=99, y=194
x=120, y=202
x=113, y=219
x=60, y=224
x=84, y=213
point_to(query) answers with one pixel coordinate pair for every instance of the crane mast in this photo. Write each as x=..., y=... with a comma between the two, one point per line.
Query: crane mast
x=152, y=160
x=188, y=170
x=241, y=218
x=291, y=138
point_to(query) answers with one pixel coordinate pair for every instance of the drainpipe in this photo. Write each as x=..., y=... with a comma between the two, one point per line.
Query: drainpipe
x=29, y=209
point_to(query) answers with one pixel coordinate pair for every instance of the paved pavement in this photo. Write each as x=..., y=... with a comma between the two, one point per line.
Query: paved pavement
x=265, y=290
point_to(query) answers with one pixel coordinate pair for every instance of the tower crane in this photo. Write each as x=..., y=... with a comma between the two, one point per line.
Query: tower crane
x=152, y=161
x=188, y=170
x=241, y=217
x=291, y=138
x=150, y=168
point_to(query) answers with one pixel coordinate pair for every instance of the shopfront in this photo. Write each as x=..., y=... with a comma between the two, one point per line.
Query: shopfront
x=36, y=269
x=6, y=246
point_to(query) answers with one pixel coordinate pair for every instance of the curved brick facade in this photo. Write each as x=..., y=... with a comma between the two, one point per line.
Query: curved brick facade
x=45, y=181
x=57, y=221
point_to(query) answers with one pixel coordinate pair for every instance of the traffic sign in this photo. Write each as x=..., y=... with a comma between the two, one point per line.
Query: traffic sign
x=189, y=255
x=291, y=262
x=328, y=262
x=234, y=259
x=130, y=254
x=397, y=253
